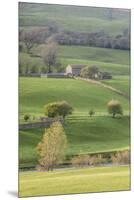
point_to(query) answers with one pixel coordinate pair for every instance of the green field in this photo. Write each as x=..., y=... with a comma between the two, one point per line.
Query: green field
x=111, y=60
x=91, y=54
x=99, y=134
x=100, y=179
x=84, y=134
x=36, y=92
x=122, y=83
x=73, y=18
x=95, y=54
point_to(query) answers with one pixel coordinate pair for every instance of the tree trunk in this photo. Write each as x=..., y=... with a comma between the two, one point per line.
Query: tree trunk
x=49, y=68
x=113, y=115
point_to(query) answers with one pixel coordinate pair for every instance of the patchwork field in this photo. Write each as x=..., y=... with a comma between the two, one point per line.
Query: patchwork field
x=98, y=179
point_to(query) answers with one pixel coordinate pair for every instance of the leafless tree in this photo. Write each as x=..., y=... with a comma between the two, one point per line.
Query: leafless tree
x=49, y=55
x=29, y=38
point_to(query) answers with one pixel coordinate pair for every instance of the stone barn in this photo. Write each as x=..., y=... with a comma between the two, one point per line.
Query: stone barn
x=74, y=69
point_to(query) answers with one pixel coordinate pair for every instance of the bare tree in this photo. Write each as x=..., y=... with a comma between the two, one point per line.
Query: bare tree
x=29, y=38
x=49, y=55
x=52, y=147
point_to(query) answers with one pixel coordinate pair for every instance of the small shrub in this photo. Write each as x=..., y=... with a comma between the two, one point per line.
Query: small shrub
x=97, y=160
x=26, y=117
x=121, y=157
x=91, y=112
x=80, y=161
x=86, y=160
x=114, y=107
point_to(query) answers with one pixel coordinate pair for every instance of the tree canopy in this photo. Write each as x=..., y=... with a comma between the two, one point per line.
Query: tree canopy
x=60, y=108
x=51, y=149
x=114, y=107
x=89, y=72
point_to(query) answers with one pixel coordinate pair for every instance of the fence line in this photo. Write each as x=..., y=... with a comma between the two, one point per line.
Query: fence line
x=38, y=124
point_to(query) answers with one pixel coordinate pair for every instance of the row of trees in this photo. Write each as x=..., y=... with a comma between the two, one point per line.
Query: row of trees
x=63, y=108
x=50, y=62
x=99, y=159
x=34, y=36
x=97, y=39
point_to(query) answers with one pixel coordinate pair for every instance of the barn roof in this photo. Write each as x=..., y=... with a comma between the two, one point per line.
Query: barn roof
x=77, y=66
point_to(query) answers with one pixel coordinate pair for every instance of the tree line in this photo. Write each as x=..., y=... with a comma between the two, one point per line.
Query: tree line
x=31, y=36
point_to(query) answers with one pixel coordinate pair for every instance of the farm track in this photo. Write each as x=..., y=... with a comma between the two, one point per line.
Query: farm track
x=104, y=85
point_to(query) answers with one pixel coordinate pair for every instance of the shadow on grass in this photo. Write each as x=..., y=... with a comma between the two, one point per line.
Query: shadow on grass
x=13, y=193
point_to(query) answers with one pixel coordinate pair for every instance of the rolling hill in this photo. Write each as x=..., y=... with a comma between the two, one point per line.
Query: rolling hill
x=98, y=134
x=74, y=18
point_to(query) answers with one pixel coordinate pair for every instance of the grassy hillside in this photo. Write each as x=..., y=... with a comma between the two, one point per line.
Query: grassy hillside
x=98, y=179
x=36, y=92
x=122, y=83
x=111, y=60
x=95, y=54
x=114, y=69
x=85, y=135
x=104, y=55
x=74, y=18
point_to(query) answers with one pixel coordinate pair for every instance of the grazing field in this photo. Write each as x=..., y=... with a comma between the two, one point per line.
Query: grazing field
x=97, y=179
x=96, y=54
x=114, y=69
x=115, y=56
x=121, y=83
x=36, y=92
x=111, y=60
x=85, y=135
x=51, y=37
x=74, y=18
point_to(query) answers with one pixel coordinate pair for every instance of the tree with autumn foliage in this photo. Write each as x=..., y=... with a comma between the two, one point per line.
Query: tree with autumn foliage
x=51, y=149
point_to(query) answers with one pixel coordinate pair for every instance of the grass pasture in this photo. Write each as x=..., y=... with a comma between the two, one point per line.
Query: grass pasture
x=85, y=135
x=121, y=83
x=98, y=134
x=111, y=60
x=87, y=53
x=74, y=18
x=36, y=92
x=97, y=179
x=94, y=53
